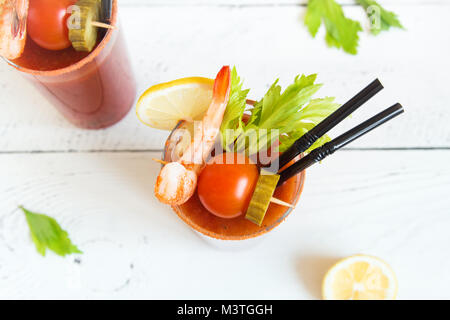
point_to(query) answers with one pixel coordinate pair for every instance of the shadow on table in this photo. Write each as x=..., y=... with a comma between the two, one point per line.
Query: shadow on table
x=311, y=270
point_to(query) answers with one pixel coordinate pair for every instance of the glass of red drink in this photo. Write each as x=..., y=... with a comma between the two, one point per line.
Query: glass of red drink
x=93, y=90
x=194, y=214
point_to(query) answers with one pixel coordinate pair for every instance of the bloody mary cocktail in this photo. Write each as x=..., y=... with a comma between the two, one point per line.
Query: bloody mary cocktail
x=223, y=174
x=194, y=213
x=93, y=89
x=200, y=219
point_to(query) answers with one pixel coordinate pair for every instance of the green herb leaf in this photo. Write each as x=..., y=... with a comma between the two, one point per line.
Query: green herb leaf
x=277, y=110
x=380, y=18
x=311, y=115
x=276, y=114
x=232, y=124
x=318, y=109
x=342, y=32
x=46, y=233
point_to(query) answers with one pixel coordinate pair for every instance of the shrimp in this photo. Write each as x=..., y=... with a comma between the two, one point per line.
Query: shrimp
x=177, y=181
x=13, y=32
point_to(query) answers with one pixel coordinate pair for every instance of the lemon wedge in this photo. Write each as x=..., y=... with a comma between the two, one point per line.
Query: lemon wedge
x=360, y=277
x=164, y=105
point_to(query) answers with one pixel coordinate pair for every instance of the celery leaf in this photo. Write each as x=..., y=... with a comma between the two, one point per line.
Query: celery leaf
x=341, y=32
x=232, y=120
x=46, y=233
x=380, y=18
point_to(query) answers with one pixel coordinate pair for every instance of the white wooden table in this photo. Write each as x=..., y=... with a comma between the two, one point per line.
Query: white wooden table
x=388, y=195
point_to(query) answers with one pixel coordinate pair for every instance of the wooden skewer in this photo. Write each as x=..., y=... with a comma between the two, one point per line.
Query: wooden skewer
x=102, y=25
x=281, y=202
x=274, y=200
x=160, y=161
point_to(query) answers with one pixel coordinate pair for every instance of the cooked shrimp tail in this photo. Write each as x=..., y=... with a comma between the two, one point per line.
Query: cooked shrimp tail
x=205, y=133
x=177, y=181
x=13, y=18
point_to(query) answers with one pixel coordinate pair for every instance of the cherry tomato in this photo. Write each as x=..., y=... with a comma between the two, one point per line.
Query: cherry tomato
x=47, y=23
x=226, y=184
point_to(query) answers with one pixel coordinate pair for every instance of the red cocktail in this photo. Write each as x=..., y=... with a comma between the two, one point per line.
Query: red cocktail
x=200, y=219
x=194, y=213
x=93, y=89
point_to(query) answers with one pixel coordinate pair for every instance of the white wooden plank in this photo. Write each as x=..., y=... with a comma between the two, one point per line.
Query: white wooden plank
x=265, y=43
x=387, y=204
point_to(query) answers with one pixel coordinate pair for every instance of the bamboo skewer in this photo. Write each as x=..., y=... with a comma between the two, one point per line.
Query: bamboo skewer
x=102, y=25
x=160, y=161
x=281, y=202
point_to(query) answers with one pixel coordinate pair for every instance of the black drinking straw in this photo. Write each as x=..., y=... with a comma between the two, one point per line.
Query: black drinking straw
x=308, y=139
x=106, y=11
x=330, y=147
x=105, y=15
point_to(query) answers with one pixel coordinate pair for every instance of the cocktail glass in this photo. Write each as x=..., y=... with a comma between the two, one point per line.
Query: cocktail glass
x=95, y=92
x=224, y=232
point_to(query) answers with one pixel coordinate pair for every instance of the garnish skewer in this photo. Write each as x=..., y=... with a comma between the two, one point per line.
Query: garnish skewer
x=102, y=25
x=89, y=15
x=272, y=199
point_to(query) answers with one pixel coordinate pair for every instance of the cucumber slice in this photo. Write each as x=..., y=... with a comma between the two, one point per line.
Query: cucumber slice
x=85, y=37
x=265, y=188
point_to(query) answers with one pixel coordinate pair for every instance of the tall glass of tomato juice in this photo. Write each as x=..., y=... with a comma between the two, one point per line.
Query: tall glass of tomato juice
x=197, y=217
x=92, y=90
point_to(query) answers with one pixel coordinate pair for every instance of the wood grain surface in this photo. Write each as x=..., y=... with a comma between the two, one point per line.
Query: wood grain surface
x=388, y=195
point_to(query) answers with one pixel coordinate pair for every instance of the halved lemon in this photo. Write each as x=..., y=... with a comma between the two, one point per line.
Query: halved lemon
x=164, y=105
x=360, y=277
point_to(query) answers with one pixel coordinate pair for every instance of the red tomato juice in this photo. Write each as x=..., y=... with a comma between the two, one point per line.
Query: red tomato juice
x=92, y=90
x=201, y=220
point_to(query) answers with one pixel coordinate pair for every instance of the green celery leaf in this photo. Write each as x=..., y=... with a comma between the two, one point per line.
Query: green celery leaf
x=47, y=233
x=232, y=120
x=318, y=109
x=311, y=115
x=342, y=32
x=278, y=110
x=276, y=114
x=386, y=19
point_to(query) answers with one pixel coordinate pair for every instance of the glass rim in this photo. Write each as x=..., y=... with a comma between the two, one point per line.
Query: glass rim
x=218, y=236
x=78, y=65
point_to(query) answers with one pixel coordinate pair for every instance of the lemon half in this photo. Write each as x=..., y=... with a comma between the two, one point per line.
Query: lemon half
x=164, y=105
x=360, y=277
